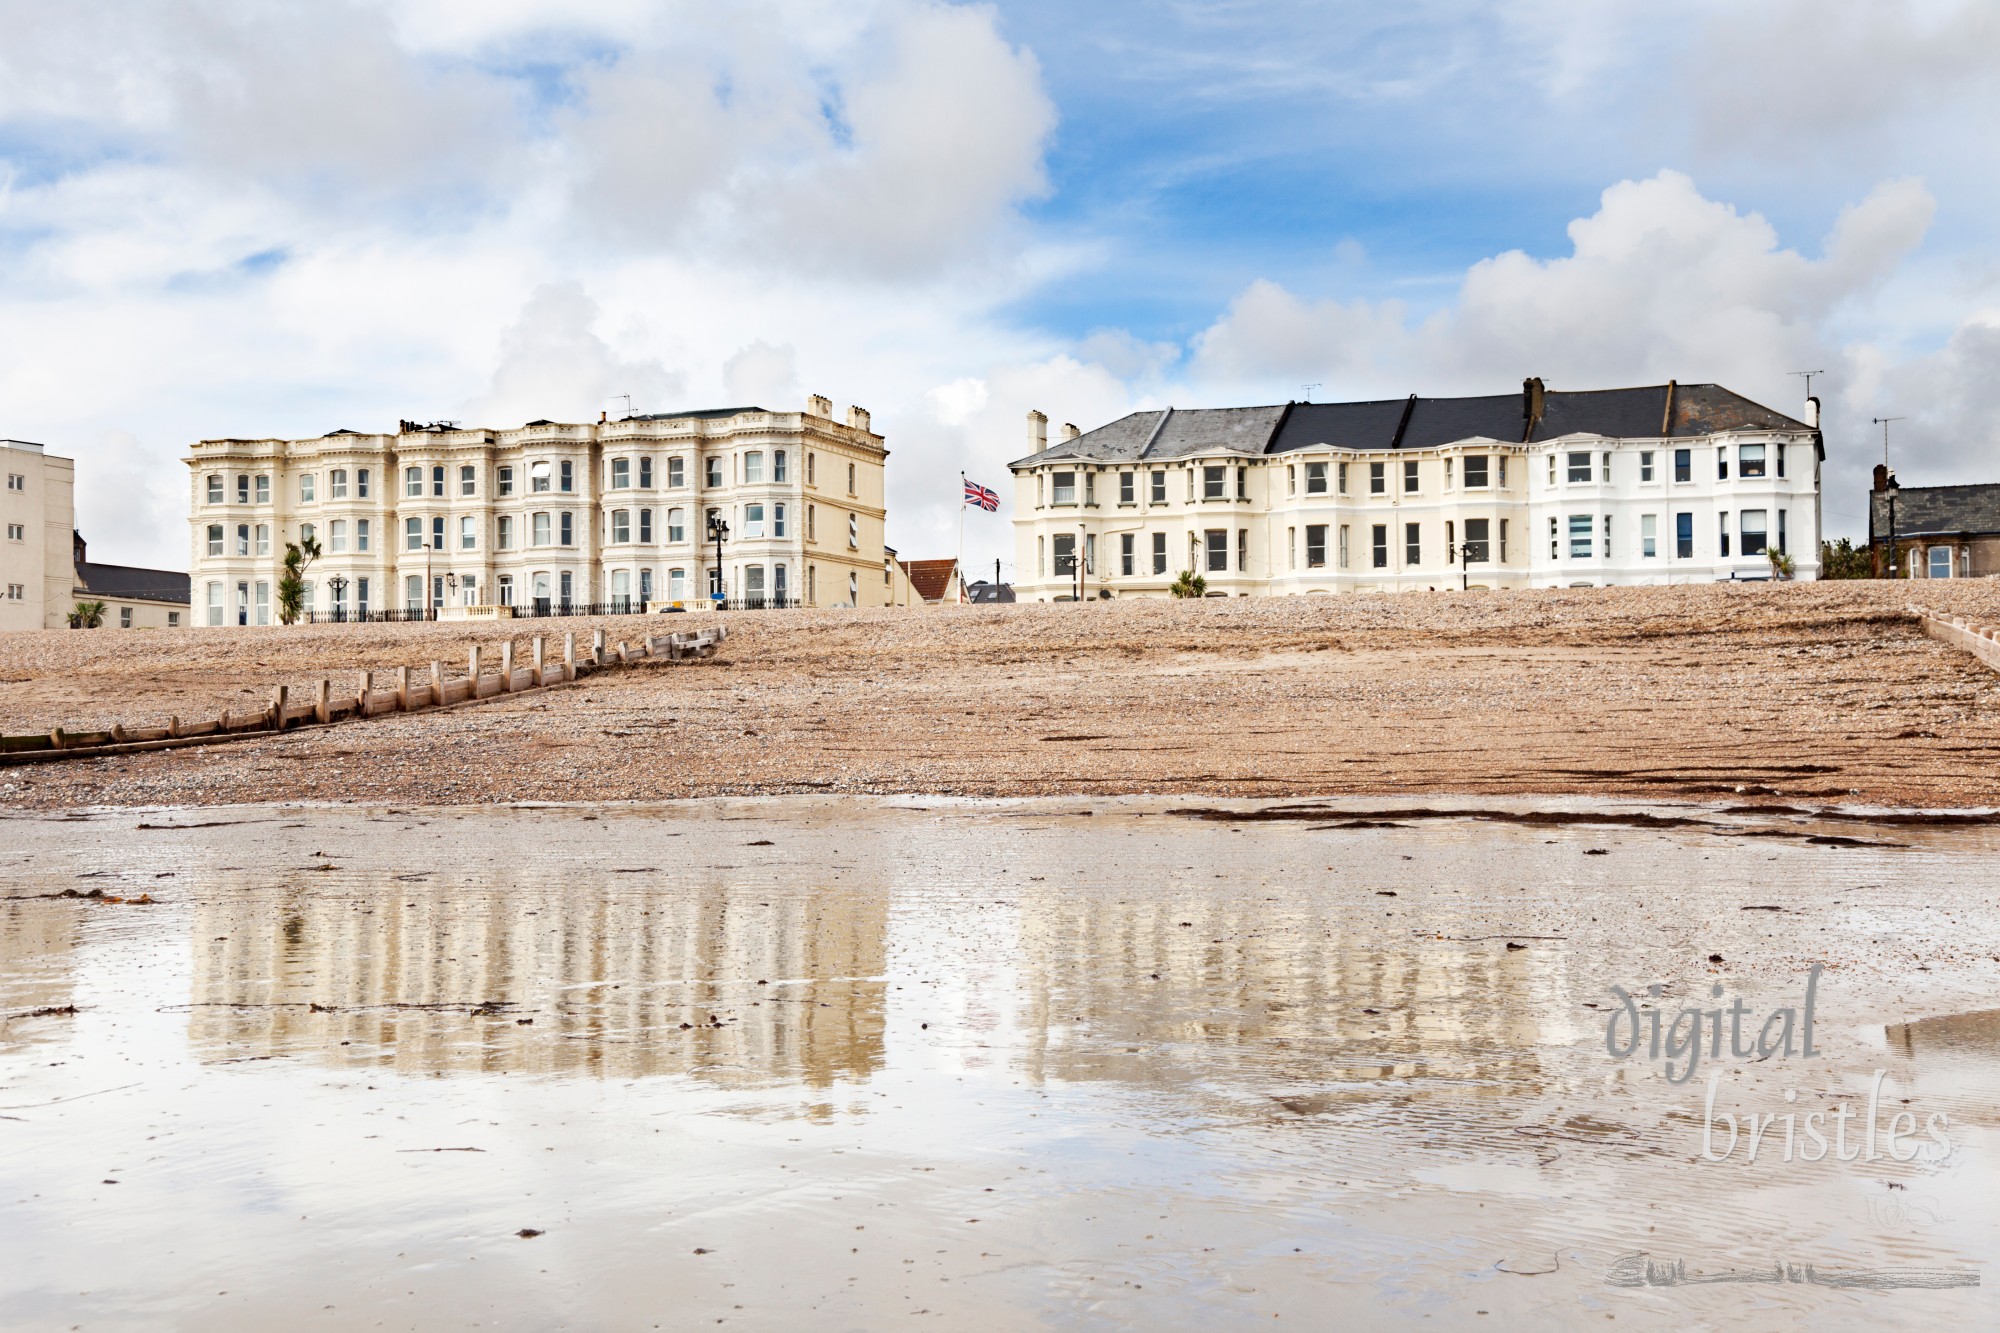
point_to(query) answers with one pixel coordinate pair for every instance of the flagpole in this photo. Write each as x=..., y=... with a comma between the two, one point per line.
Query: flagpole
x=961, y=536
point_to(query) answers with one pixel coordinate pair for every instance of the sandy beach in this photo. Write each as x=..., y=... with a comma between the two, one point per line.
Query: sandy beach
x=1823, y=692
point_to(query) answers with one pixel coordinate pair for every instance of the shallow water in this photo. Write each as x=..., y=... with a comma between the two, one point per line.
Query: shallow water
x=841, y=1064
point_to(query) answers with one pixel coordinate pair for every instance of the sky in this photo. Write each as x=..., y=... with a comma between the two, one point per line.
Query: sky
x=255, y=218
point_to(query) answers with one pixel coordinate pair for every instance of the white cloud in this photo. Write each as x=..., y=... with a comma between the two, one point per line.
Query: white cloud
x=906, y=147
x=1660, y=283
x=553, y=364
x=763, y=376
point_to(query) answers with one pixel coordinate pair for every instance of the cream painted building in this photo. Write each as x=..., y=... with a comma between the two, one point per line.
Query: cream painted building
x=1667, y=483
x=437, y=520
x=38, y=510
x=44, y=569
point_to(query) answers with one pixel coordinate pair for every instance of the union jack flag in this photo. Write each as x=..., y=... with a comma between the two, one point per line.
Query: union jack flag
x=975, y=494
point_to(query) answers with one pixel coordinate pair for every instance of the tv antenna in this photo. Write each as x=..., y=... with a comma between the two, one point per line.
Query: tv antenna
x=1307, y=389
x=1883, y=422
x=1808, y=378
x=628, y=404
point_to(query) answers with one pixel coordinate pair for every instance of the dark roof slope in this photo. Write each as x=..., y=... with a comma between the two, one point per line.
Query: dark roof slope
x=1422, y=423
x=1620, y=414
x=1936, y=511
x=133, y=583
x=1342, y=425
x=1702, y=408
x=704, y=413
x=1174, y=433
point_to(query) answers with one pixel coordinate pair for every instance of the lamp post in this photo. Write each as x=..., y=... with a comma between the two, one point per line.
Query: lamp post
x=1082, y=536
x=429, y=611
x=718, y=532
x=1892, y=528
x=338, y=586
x=451, y=587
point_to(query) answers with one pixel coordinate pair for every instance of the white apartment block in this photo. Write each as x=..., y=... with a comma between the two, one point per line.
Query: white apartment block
x=1662, y=484
x=547, y=518
x=44, y=566
x=37, y=509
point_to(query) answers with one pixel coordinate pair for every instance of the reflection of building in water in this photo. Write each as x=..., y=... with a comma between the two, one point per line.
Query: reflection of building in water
x=1280, y=999
x=1954, y=1063
x=619, y=978
x=38, y=942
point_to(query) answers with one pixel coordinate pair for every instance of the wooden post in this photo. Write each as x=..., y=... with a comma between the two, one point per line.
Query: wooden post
x=569, y=655
x=507, y=666
x=117, y=733
x=540, y=648
x=367, y=688
x=278, y=699
x=403, y=689
x=56, y=737
x=174, y=726
x=325, y=693
x=624, y=652
x=475, y=670
x=437, y=684
x=597, y=646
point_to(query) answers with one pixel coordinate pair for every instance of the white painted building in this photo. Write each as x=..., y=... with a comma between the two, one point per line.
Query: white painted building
x=45, y=570
x=615, y=514
x=37, y=508
x=1662, y=484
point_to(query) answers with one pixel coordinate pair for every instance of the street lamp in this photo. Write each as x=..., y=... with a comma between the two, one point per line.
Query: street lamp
x=1893, y=488
x=338, y=586
x=718, y=532
x=1082, y=540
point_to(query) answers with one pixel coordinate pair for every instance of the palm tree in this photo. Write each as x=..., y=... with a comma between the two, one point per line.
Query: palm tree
x=1189, y=584
x=292, y=583
x=87, y=615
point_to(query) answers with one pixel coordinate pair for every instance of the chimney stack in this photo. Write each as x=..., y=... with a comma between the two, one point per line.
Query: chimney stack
x=1038, y=432
x=1069, y=431
x=1812, y=411
x=1533, y=397
x=858, y=418
x=820, y=406
x=1884, y=478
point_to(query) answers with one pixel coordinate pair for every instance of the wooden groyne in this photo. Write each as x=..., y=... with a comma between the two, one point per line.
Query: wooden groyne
x=374, y=693
x=1982, y=641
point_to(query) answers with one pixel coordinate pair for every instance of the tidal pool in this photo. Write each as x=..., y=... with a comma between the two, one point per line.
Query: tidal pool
x=800, y=1063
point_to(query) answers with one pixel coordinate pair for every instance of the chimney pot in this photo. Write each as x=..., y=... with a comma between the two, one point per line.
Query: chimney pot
x=1069, y=431
x=1038, y=431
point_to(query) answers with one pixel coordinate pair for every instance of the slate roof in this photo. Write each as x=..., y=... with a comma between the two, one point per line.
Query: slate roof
x=1174, y=433
x=930, y=578
x=703, y=413
x=1936, y=511
x=132, y=583
x=1420, y=423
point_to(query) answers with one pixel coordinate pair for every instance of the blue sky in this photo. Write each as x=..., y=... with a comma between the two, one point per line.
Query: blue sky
x=226, y=217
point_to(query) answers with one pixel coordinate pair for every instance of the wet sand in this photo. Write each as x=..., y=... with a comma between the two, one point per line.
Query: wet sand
x=1801, y=692
x=835, y=1063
